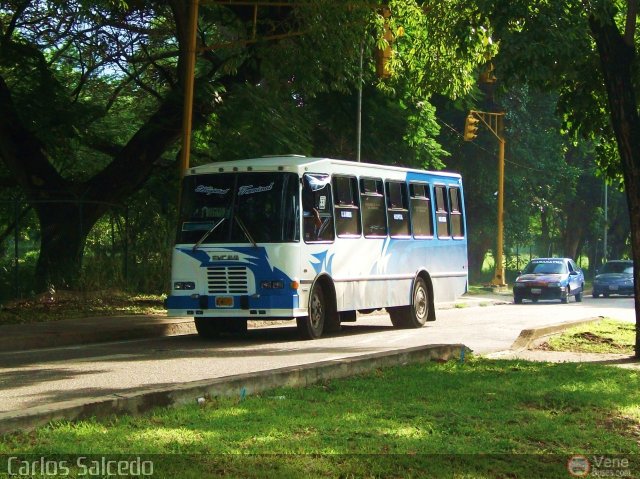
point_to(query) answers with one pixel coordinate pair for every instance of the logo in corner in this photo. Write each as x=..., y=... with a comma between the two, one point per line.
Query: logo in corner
x=578, y=466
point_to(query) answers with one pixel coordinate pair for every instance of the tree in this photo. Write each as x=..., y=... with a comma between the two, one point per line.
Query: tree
x=91, y=92
x=66, y=69
x=587, y=49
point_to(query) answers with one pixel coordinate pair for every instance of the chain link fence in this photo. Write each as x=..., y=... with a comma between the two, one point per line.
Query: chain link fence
x=127, y=249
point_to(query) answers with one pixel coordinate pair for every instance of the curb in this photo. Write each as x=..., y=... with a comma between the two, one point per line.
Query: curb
x=56, y=335
x=528, y=336
x=142, y=400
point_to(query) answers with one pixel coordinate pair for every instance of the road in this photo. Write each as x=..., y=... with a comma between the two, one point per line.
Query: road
x=39, y=377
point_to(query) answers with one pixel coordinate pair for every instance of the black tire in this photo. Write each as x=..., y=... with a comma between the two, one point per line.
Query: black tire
x=579, y=296
x=517, y=299
x=606, y=295
x=415, y=314
x=535, y=300
x=312, y=326
x=213, y=328
x=565, y=299
x=595, y=295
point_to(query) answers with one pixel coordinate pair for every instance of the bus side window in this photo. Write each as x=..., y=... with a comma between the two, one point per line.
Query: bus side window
x=347, y=208
x=317, y=210
x=374, y=217
x=421, y=214
x=442, y=213
x=457, y=228
x=397, y=209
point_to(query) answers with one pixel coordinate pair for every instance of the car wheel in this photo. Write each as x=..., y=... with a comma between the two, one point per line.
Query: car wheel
x=517, y=300
x=565, y=299
x=535, y=300
x=579, y=297
x=605, y=295
x=596, y=294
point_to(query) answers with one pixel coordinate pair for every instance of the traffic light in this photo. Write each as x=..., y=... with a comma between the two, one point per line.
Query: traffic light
x=470, y=127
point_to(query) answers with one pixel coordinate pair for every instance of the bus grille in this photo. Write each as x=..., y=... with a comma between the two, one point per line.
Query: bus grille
x=228, y=280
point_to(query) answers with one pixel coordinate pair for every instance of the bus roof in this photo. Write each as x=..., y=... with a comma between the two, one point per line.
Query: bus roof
x=301, y=164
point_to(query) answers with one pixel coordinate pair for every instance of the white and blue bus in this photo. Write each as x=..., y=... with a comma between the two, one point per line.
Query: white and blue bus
x=316, y=240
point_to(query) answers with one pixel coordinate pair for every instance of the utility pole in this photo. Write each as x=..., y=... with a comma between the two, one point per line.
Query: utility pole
x=495, y=124
x=606, y=222
x=189, y=73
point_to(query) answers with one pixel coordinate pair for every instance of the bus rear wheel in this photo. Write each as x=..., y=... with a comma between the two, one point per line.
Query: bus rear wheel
x=212, y=328
x=311, y=327
x=415, y=314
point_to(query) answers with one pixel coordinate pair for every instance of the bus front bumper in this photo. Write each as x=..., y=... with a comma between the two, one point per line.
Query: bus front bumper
x=258, y=306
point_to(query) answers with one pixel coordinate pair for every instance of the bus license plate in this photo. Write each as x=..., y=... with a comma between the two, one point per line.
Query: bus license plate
x=224, y=302
x=536, y=291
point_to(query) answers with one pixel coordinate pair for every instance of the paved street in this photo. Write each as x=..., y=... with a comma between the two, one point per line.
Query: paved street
x=34, y=378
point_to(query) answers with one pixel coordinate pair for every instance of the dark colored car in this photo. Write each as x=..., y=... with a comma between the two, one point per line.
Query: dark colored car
x=615, y=277
x=549, y=278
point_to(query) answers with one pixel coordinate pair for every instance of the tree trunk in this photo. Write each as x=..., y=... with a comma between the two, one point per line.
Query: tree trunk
x=477, y=253
x=545, y=235
x=64, y=226
x=617, y=60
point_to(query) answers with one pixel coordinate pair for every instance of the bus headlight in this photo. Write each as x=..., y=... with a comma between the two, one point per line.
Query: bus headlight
x=184, y=285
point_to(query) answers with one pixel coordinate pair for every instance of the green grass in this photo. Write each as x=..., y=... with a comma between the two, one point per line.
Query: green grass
x=69, y=305
x=606, y=336
x=480, y=419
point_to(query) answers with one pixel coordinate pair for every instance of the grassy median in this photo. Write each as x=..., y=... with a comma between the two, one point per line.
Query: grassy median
x=605, y=336
x=476, y=419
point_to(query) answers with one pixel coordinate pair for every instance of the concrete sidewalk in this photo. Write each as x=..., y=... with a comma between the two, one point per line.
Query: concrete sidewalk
x=70, y=332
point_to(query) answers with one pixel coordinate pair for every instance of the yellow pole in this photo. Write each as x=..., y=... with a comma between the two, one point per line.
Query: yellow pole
x=189, y=69
x=498, y=279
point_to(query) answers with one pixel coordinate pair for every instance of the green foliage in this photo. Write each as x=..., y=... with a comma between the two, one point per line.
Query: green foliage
x=550, y=45
x=440, y=47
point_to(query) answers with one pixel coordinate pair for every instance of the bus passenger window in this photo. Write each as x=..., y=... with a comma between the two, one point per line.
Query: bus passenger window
x=421, y=214
x=374, y=218
x=397, y=209
x=347, y=209
x=442, y=212
x=316, y=206
x=457, y=228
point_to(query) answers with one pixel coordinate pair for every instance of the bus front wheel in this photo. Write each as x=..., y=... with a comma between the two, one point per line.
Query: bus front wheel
x=311, y=326
x=415, y=314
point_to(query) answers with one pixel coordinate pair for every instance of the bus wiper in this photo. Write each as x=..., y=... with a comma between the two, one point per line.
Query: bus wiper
x=206, y=235
x=245, y=230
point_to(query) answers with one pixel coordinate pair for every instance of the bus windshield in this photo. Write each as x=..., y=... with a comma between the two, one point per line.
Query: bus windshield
x=240, y=208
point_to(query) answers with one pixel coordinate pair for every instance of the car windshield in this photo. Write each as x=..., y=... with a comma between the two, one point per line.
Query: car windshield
x=546, y=268
x=617, y=267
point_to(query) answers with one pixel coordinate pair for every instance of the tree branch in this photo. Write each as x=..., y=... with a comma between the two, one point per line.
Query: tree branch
x=23, y=153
